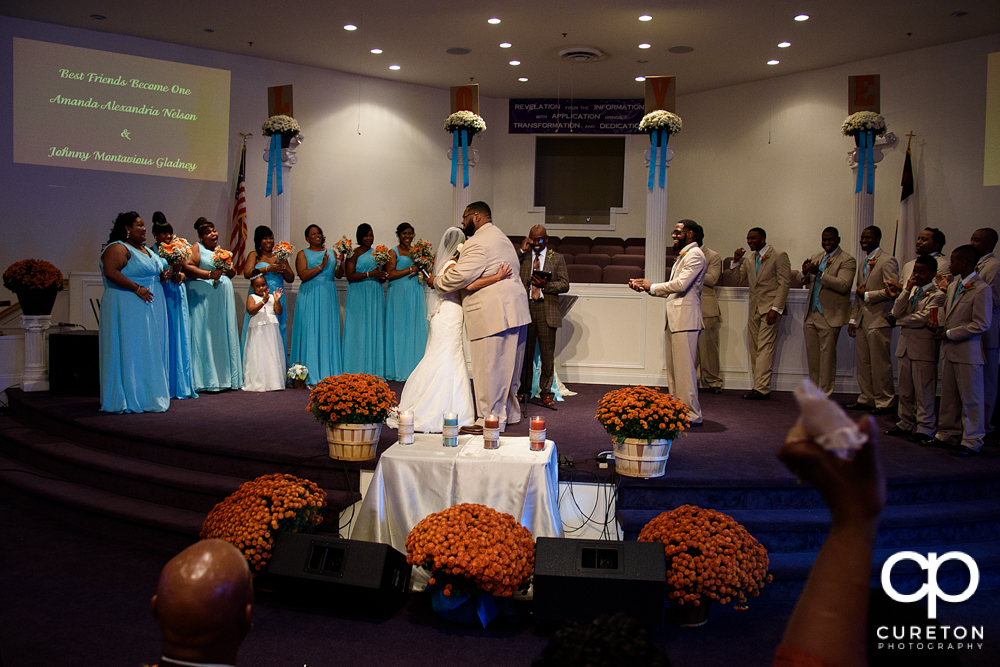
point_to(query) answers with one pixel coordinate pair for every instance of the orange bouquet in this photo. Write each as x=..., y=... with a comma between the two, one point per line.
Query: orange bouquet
x=283, y=250
x=249, y=517
x=380, y=255
x=472, y=549
x=642, y=412
x=709, y=555
x=351, y=398
x=32, y=274
x=176, y=251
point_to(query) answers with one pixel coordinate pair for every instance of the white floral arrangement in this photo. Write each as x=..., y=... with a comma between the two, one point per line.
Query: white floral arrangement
x=280, y=125
x=465, y=120
x=660, y=120
x=297, y=372
x=864, y=121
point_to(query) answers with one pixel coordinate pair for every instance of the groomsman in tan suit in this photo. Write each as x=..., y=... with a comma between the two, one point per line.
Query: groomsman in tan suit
x=496, y=317
x=707, y=361
x=931, y=242
x=768, y=272
x=917, y=351
x=543, y=304
x=828, y=276
x=985, y=241
x=968, y=313
x=684, y=321
x=870, y=327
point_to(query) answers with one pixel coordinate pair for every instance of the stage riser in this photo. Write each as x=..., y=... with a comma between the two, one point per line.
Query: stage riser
x=952, y=581
x=329, y=476
x=800, y=497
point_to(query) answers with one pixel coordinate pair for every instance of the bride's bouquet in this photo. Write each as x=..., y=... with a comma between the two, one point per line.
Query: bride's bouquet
x=380, y=255
x=283, y=251
x=223, y=260
x=422, y=254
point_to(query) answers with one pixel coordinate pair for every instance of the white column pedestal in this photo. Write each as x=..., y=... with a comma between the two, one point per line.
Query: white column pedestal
x=656, y=223
x=36, y=368
x=281, y=204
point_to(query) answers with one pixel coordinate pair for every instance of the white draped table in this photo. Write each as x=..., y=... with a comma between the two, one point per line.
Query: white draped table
x=412, y=481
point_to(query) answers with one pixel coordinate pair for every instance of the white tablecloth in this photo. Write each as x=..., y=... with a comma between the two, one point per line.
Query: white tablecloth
x=412, y=481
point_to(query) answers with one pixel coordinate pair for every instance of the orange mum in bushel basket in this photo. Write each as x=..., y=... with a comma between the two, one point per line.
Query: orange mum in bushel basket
x=642, y=412
x=351, y=398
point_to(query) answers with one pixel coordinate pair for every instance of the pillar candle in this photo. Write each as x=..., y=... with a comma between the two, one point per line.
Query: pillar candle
x=405, y=430
x=491, y=432
x=450, y=430
x=536, y=434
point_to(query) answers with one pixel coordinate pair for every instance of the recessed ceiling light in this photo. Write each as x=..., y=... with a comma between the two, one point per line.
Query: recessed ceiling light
x=773, y=62
x=493, y=21
x=681, y=49
x=209, y=30
x=376, y=51
x=523, y=79
x=644, y=46
x=959, y=14
x=640, y=78
x=505, y=45
x=515, y=62
x=458, y=51
x=802, y=17
x=784, y=45
x=393, y=67
x=350, y=27
x=98, y=17
x=645, y=17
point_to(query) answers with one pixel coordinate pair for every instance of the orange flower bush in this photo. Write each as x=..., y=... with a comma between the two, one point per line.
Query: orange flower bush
x=642, y=412
x=473, y=549
x=32, y=274
x=251, y=516
x=709, y=555
x=351, y=398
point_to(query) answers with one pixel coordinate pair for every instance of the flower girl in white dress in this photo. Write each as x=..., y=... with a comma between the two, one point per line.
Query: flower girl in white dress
x=264, y=352
x=440, y=382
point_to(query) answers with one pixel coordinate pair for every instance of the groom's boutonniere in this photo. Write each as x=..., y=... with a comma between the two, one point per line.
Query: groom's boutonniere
x=682, y=253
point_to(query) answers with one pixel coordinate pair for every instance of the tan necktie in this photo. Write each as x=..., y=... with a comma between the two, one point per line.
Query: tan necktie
x=536, y=293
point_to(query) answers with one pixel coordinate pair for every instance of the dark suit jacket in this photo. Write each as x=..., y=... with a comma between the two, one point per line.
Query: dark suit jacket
x=559, y=284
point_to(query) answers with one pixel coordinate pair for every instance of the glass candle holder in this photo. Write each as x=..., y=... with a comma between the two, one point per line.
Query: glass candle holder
x=405, y=430
x=449, y=430
x=536, y=434
x=491, y=432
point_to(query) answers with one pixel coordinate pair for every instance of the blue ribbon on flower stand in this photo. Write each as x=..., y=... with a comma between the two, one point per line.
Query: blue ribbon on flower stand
x=465, y=158
x=871, y=162
x=658, y=140
x=274, y=163
x=866, y=161
x=454, y=156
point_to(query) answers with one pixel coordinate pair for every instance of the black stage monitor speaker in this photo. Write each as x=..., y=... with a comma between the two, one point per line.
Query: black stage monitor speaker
x=579, y=580
x=346, y=576
x=74, y=363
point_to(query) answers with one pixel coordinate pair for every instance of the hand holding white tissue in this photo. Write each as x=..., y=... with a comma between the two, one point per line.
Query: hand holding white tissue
x=825, y=422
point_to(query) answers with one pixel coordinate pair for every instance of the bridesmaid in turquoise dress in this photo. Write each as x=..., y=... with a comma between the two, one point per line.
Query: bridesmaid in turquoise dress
x=133, y=326
x=364, y=316
x=316, y=330
x=174, y=291
x=275, y=273
x=405, y=310
x=215, y=340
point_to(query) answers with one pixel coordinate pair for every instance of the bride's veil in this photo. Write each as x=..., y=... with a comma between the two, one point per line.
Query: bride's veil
x=453, y=237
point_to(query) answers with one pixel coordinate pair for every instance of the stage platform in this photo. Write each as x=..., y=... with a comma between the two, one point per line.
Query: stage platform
x=158, y=474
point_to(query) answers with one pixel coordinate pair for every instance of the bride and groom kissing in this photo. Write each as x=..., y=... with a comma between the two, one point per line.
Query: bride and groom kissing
x=474, y=287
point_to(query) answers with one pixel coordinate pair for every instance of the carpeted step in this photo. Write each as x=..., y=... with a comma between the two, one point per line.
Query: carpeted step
x=910, y=526
x=790, y=570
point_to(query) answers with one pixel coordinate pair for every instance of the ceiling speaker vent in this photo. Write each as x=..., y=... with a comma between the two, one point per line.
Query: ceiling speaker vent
x=581, y=54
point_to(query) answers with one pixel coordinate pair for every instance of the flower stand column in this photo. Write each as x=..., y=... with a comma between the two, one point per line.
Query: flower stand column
x=865, y=127
x=36, y=368
x=463, y=126
x=462, y=197
x=281, y=202
x=660, y=125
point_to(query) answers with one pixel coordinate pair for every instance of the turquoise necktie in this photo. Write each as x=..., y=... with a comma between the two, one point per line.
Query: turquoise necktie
x=757, y=256
x=864, y=269
x=814, y=296
x=958, y=290
x=915, y=297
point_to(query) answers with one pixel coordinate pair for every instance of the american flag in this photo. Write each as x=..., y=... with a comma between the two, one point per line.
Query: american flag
x=238, y=237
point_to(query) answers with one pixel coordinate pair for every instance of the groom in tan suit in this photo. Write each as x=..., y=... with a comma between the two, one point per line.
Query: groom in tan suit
x=828, y=276
x=768, y=273
x=684, y=320
x=496, y=317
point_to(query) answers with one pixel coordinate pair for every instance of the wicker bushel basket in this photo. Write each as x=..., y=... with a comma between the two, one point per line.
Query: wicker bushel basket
x=636, y=457
x=353, y=442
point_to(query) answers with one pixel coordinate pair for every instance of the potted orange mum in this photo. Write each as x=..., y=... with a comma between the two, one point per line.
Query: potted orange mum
x=36, y=283
x=643, y=422
x=353, y=407
x=709, y=557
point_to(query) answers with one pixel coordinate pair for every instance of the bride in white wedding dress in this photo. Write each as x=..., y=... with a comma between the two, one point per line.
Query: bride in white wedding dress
x=440, y=382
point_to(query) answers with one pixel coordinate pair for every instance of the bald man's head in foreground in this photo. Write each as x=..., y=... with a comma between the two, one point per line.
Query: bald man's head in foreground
x=203, y=603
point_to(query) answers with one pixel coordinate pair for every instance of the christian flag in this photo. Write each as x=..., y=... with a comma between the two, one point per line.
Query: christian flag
x=238, y=236
x=907, y=236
